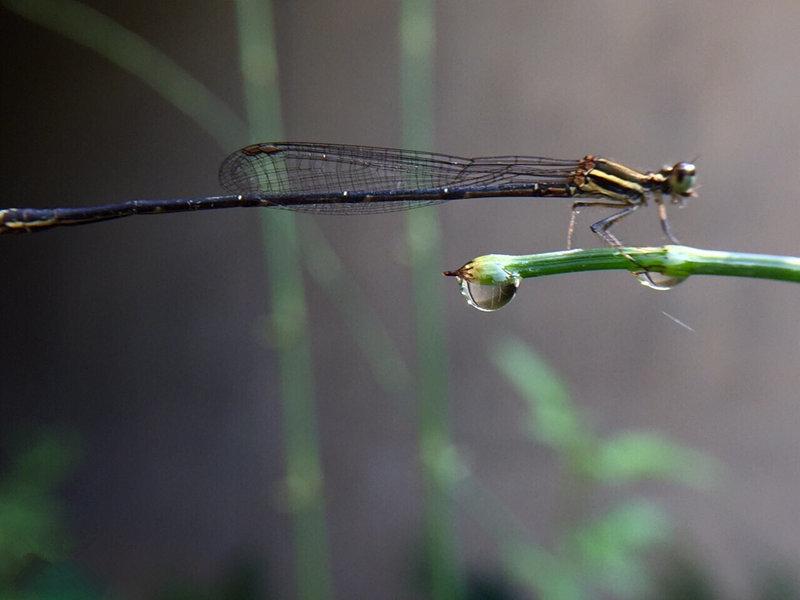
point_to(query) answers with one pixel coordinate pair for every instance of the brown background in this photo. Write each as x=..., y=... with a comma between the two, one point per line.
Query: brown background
x=142, y=333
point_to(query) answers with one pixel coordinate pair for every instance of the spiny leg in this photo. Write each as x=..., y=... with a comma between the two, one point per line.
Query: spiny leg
x=602, y=226
x=662, y=216
x=605, y=235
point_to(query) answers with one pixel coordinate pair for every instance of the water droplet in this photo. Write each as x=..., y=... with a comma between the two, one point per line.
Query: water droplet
x=658, y=281
x=489, y=297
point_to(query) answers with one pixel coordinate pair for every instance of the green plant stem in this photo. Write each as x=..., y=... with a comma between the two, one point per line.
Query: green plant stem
x=417, y=34
x=288, y=318
x=672, y=261
x=131, y=52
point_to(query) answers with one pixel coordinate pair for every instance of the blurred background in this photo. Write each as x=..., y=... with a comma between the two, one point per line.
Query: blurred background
x=150, y=366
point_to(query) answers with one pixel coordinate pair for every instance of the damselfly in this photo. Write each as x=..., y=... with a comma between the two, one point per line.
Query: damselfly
x=342, y=179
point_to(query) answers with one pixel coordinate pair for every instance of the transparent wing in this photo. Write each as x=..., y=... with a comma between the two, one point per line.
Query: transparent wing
x=316, y=177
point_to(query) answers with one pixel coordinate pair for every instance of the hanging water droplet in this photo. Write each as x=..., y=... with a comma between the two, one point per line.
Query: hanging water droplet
x=489, y=297
x=658, y=281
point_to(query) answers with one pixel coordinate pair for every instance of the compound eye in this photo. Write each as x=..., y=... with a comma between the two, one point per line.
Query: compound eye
x=681, y=179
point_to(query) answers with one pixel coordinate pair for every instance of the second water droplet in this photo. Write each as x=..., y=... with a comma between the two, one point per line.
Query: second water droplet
x=658, y=281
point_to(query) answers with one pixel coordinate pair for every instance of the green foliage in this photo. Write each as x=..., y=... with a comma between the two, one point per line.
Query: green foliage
x=635, y=455
x=31, y=532
x=242, y=581
x=592, y=554
x=29, y=511
x=552, y=418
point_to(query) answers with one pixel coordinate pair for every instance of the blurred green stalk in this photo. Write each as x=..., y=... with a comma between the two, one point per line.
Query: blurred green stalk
x=417, y=33
x=289, y=330
x=131, y=52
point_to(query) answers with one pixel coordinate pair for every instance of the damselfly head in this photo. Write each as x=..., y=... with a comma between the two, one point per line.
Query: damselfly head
x=680, y=180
